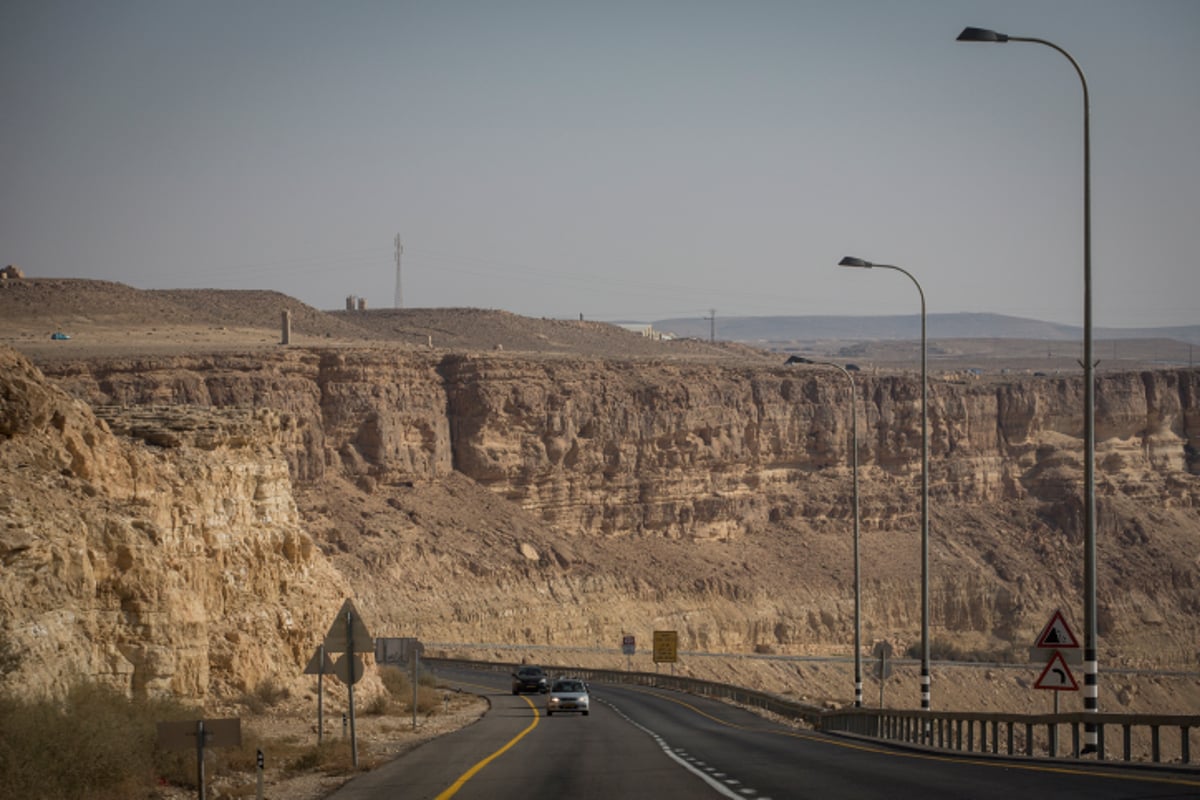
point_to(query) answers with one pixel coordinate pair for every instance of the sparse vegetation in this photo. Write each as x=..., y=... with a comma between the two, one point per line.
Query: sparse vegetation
x=10, y=656
x=399, y=686
x=267, y=694
x=95, y=744
x=941, y=650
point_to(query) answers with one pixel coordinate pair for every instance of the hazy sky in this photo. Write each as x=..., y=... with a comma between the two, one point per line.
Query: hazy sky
x=621, y=159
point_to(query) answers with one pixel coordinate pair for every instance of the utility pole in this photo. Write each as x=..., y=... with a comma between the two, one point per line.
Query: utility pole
x=399, y=301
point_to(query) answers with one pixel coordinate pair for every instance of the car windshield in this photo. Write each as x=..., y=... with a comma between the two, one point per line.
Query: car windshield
x=568, y=686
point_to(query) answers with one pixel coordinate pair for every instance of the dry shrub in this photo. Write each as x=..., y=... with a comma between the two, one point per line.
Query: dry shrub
x=267, y=694
x=398, y=683
x=95, y=743
x=941, y=650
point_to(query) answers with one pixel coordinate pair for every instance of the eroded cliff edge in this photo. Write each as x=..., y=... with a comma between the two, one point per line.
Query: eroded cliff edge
x=555, y=500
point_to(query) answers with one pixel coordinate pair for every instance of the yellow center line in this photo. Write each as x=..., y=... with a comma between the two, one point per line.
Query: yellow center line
x=466, y=776
x=869, y=748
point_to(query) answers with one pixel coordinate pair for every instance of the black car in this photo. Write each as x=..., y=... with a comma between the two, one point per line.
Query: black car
x=530, y=679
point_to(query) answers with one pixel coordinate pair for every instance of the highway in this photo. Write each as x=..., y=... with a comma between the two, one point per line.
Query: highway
x=648, y=743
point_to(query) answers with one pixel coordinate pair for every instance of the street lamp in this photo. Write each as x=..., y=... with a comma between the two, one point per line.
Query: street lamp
x=850, y=261
x=858, y=678
x=1090, y=638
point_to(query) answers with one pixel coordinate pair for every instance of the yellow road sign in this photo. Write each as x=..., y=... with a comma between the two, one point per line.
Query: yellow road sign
x=666, y=647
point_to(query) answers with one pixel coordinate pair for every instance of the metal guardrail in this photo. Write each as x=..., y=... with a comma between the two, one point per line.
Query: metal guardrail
x=1017, y=734
x=1028, y=735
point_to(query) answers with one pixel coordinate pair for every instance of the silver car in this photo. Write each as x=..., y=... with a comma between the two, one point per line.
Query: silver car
x=568, y=694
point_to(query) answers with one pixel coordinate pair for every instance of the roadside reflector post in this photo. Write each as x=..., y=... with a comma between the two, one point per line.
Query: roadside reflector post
x=200, y=756
x=259, y=763
x=321, y=696
x=416, y=665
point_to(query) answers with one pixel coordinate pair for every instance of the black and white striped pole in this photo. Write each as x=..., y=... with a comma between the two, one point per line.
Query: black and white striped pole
x=1090, y=637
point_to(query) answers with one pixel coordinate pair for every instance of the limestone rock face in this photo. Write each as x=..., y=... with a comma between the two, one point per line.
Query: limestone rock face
x=191, y=524
x=691, y=451
x=170, y=560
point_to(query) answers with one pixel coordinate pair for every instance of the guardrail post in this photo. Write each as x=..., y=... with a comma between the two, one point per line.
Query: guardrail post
x=1075, y=740
x=1099, y=742
x=1154, y=751
x=1128, y=744
x=1029, y=738
x=1011, y=728
x=1185, y=744
x=1052, y=734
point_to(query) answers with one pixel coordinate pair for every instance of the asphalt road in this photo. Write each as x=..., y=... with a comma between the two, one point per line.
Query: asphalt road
x=649, y=743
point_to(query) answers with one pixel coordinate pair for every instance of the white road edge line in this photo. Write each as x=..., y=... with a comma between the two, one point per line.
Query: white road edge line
x=666, y=748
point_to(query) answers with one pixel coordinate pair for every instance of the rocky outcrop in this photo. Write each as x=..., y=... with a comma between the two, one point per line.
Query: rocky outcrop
x=161, y=551
x=709, y=498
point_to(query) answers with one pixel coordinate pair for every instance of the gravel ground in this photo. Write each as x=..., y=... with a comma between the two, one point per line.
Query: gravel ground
x=281, y=730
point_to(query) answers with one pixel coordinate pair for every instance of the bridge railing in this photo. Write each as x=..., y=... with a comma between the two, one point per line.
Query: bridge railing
x=1168, y=738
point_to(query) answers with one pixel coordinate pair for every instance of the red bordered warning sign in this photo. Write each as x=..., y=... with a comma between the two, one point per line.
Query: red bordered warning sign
x=1057, y=634
x=1057, y=676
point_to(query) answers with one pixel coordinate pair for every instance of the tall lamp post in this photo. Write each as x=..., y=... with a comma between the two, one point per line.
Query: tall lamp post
x=1090, y=638
x=858, y=677
x=850, y=261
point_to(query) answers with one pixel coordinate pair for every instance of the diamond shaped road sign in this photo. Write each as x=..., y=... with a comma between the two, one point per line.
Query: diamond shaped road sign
x=341, y=637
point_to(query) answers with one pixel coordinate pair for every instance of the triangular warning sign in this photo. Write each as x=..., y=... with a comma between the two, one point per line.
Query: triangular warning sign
x=317, y=666
x=1057, y=633
x=342, y=637
x=1057, y=676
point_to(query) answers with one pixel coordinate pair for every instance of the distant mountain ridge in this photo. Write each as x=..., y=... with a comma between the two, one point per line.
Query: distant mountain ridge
x=939, y=326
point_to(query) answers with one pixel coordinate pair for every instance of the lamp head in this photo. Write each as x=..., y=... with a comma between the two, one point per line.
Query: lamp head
x=981, y=35
x=851, y=261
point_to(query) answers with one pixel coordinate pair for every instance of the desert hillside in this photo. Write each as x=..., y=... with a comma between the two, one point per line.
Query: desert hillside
x=186, y=501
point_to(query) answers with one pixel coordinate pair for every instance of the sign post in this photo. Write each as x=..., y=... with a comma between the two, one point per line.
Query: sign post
x=1053, y=643
x=320, y=665
x=200, y=733
x=883, y=667
x=349, y=635
x=666, y=648
x=628, y=647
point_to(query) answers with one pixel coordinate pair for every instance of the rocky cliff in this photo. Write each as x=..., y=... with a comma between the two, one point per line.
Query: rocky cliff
x=162, y=554
x=189, y=523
